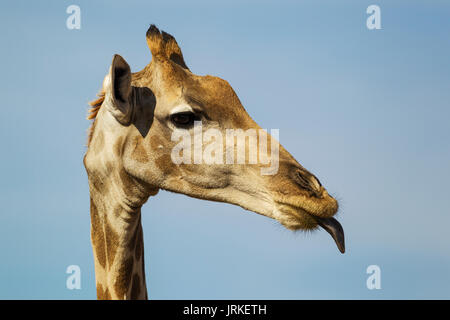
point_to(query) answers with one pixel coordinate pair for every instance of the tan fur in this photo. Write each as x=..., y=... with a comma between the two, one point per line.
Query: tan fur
x=139, y=153
x=102, y=294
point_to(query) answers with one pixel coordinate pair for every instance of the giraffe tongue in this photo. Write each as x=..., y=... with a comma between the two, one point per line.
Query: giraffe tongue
x=334, y=228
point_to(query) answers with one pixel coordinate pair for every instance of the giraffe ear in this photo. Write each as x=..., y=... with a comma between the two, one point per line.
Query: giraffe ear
x=119, y=89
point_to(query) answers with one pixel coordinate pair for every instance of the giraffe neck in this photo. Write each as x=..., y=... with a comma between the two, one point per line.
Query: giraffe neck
x=118, y=246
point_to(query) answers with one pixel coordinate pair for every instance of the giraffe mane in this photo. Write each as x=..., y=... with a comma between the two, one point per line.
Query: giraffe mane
x=92, y=113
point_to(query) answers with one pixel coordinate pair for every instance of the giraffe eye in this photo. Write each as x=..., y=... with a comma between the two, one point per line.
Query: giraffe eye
x=183, y=119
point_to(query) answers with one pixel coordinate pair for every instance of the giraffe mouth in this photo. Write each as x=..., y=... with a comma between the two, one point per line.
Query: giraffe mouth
x=334, y=228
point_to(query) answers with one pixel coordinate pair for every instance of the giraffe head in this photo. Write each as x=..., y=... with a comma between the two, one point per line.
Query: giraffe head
x=145, y=115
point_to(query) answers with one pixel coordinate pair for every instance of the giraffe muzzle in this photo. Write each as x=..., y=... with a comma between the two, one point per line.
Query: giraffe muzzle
x=334, y=228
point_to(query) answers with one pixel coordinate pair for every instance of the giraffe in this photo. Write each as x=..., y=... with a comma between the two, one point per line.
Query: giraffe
x=128, y=160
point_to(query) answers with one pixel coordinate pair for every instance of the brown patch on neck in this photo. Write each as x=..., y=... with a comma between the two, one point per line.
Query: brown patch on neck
x=123, y=280
x=139, y=255
x=112, y=242
x=135, y=287
x=136, y=238
x=143, y=276
x=102, y=294
x=118, y=147
x=97, y=236
x=139, y=248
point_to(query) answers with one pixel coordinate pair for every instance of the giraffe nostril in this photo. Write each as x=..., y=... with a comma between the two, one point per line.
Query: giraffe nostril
x=302, y=181
x=308, y=182
x=318, y=181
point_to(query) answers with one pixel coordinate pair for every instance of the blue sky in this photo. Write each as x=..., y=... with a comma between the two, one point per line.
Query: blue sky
x=366, y=111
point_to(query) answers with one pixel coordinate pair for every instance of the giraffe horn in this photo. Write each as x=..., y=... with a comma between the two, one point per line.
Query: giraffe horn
x=164, y=46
